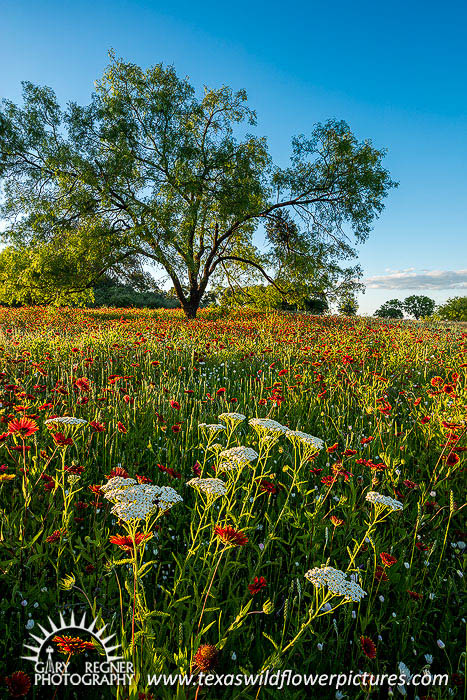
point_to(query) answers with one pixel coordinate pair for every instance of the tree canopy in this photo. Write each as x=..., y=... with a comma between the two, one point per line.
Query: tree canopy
x=454, y=309
x=150, y=172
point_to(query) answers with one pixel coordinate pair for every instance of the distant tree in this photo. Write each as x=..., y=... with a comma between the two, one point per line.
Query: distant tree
x=148, y=170
x=348, y=306
x=454, y=309
x=391, y=309
x=419, y=306
x=136, y=292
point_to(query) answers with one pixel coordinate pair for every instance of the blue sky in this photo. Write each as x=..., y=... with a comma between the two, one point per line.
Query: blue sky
x=394, y=71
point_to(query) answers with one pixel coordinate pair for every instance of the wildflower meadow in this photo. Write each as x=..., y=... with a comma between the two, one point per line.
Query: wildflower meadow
x=244, y=493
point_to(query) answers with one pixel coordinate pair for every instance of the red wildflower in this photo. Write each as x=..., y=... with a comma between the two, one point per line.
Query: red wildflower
x=141, y=479
x=414, y=595
x=18, y=684
x=23, y=427
x=72, y=645
x=83, y=384
x=61, y=440
x=387, y=559
x=121, y=428
x=221, y=391
x=97, y=427
x=380, y=574
x=170, y=471
x=228, y=535
x=368, y=647
x=257, y=585
x=206, y=657
x=55, y=536
x=336, y=521
x=127, y=543
x=175, y=405
x=332, y=449
x=118, y=471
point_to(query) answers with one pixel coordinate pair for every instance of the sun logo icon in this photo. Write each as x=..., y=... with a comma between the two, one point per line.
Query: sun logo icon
x=98, y=634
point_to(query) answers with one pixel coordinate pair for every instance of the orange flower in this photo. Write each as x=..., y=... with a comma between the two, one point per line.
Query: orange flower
x=336, y=521
x=127, y=543
x=206, y=657
x=387, y=559
x=72, y=645
x=23, y=427
x=228, y=535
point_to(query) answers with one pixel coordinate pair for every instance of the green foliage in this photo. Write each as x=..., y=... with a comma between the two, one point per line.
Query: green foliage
x=454, y=309
x=112, y=293
x=151, y=172
x=419, y=306
x=348, y=306
x=391, y=309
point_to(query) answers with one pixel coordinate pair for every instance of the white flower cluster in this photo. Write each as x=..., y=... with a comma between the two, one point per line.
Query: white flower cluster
x=378, y=498
x=336, y=582
x=135, y=501
x=232, y=417
x=237, y=457
x=212, y=487
x=305, y=439
x=212, y=427
x=267, y=425
x=67, y=420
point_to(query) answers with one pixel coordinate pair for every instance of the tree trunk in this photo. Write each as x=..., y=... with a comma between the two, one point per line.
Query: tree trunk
x=190, y=308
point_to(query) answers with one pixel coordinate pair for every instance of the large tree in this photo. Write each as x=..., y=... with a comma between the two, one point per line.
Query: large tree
x=151, y=172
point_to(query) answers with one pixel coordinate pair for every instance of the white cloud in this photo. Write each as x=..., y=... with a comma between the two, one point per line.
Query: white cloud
x=425, y=279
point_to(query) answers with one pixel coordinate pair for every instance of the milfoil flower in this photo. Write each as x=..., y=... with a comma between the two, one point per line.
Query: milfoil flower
x=337, y=583
x=236, y=457
x=232, y=418
x=305, y=440
x=267, y=425
x=211, y=487
x=386, y=501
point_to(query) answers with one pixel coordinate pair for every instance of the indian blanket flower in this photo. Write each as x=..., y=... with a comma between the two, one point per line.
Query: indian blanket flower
x=24, y=427
x=55, y=536
x=336, y=582
x=127, y=543
x=386, y=501
x=368, y=647
x=387, y=559
x=257, y=585
x=72, y=645
x=206, y=657
x=18, y=684
x=62, y=441
x=229, y=536
x=211, y=487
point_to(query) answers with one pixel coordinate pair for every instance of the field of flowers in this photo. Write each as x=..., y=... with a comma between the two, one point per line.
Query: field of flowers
x=233, y=495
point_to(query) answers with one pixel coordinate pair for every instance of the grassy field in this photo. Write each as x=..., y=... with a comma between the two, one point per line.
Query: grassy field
x=227, y=576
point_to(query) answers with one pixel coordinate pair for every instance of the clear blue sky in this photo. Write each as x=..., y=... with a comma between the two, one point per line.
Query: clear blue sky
x=396, y=72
